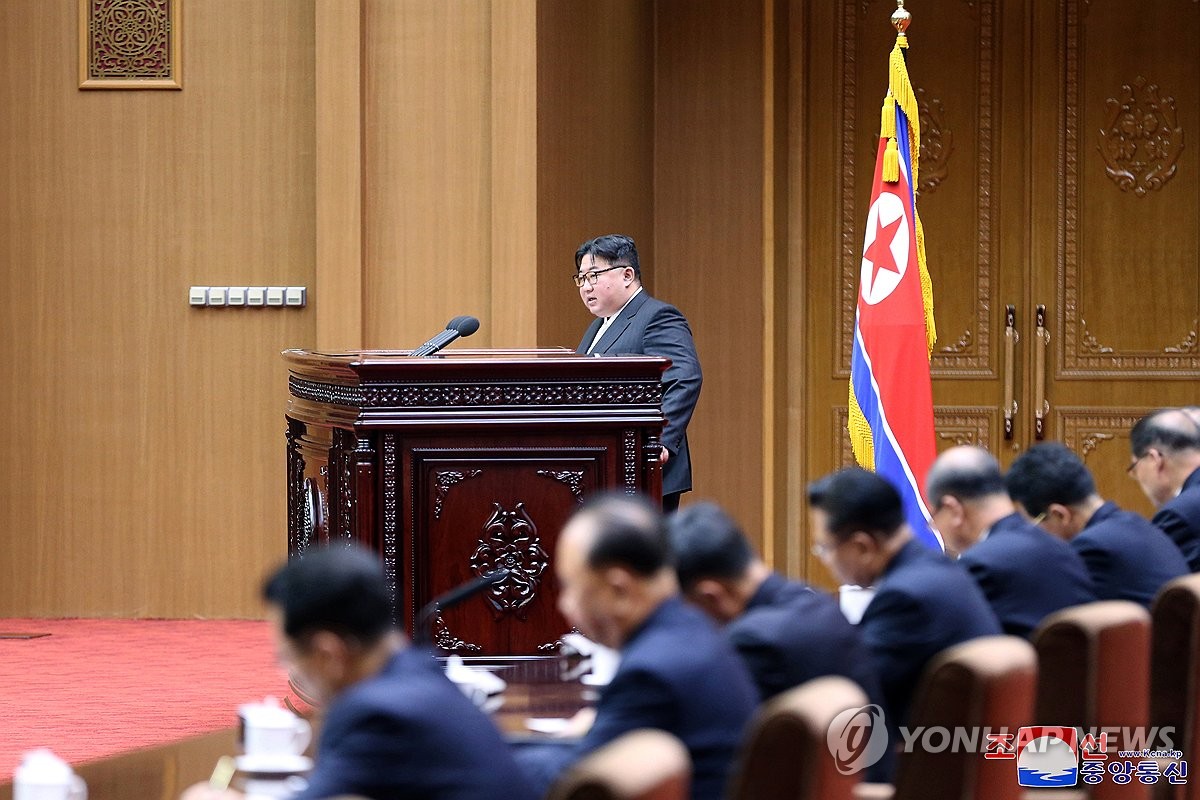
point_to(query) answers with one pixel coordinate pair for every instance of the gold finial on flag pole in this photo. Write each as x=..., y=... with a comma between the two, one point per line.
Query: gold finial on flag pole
x=901, y=18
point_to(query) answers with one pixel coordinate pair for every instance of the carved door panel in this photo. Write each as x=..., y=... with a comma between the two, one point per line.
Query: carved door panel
x=491, y=507
x=1115, y=250
x=1053, y=176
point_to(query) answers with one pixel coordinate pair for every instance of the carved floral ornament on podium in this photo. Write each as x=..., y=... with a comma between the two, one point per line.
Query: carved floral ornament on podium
x=130, y=44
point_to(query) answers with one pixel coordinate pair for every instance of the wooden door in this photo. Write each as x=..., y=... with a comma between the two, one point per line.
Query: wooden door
x=1115, y=222
x=1053, y=185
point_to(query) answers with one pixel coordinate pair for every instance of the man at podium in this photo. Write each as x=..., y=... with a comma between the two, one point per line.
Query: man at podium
x=631, y=322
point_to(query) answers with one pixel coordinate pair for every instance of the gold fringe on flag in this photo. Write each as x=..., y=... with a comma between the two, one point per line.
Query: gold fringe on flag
x=901, y=90
x=900, y=93
x=926, y=286
x=861, y=441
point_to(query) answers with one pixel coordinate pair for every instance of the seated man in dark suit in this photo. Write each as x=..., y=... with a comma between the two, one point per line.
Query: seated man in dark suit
x=1166, y=463
x=1024, y=572
x=785, y=631
x=677, y=673
x=394, y=726
x=923, y=603
x=1127, y=557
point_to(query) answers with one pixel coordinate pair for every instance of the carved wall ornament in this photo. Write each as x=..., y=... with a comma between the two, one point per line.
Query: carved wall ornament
x=1091, y=440
x=129, y=44
x=1084, y=429
x=1088, y=340
x=510, y=541
x=1188, y=345
x=937, y=143
x=571, y=478
x=1142, y=139
x=446, y=640
x=961, y=345
x=965, y=425
x=443, y=482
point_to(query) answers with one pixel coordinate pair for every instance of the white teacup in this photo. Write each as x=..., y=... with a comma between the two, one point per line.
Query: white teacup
x=44, y=776
x=269, y=730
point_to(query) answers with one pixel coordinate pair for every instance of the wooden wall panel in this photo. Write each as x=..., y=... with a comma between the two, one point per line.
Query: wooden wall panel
x=595, y=146
x=708, y=233
x=142, y=470
x=427, y=127
x=337, y=85
x=1128, y=113
x=515, y=300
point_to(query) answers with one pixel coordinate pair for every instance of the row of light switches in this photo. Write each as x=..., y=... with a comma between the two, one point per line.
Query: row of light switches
x=293, y=296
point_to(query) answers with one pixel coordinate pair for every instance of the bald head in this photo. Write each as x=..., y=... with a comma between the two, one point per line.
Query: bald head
x=966, y=494
x=1170, y=430
x=966, y=472
x=1165, y=450
x=613, y=563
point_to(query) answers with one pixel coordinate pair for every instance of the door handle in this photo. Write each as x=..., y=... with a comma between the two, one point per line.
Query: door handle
x=1011, y=337
x=1041, y=406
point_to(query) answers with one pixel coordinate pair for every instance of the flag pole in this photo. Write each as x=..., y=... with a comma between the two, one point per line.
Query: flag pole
x=890, y=413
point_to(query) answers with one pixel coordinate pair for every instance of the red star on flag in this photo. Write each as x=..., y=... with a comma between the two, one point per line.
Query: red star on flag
x=880, y=251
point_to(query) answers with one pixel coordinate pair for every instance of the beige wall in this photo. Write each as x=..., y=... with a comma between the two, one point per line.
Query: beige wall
x=141, y=468
x=408, y=161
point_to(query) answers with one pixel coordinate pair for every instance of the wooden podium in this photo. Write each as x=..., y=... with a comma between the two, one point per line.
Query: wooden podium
x=452, y=466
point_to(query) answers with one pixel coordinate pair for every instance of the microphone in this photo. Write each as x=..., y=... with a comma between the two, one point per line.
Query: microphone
x=459, y=326
x=422, y=632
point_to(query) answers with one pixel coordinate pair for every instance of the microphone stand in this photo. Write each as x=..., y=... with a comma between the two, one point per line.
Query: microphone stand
x=422, y=626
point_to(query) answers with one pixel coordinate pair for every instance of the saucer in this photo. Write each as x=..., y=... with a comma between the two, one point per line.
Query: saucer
x=281, y=763
x=548, y=725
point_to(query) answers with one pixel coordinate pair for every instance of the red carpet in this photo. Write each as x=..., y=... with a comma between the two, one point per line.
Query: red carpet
x=96, y=687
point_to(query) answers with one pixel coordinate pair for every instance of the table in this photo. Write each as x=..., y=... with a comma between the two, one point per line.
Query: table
x=154, y=772
x=535, y=689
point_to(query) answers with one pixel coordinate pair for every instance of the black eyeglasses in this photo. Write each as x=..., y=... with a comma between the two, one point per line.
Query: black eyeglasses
x=592, y=276
x=1133, y=464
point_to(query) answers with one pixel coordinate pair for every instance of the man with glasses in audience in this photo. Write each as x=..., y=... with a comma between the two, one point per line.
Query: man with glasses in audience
x=1127, y=557
x=631, y=322
x=1023, y=571
x=1165, y=461
x=923, y=603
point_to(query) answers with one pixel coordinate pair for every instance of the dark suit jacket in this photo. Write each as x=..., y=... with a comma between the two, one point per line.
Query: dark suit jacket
x=1026, y=574
x=923, y=604
x=1127, y=557
x=408, y=732
x=651, y=327
x=1179, y=518
x=790, y=633
x=677, y=674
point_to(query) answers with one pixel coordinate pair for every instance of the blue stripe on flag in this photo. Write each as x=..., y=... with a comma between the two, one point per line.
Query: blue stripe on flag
x=890, y=462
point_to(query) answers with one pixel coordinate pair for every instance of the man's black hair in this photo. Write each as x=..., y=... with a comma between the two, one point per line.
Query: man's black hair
x=1170, y=430
x=615, y=248
x=1048, y=473
x=707, y=543
x=970, y=478
x=856, y=500
x=339, y=588
x=630, y=533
